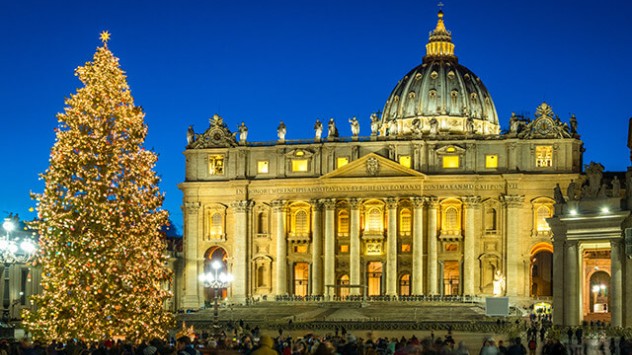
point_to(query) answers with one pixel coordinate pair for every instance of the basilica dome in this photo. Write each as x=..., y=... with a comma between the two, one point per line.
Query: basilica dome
x=439, y=96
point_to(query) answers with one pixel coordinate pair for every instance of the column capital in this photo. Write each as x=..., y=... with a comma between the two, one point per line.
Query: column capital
x=512, y=201
x=471, y=201
x=355, y=203
x=391, y=203
x=278, y=205
x=433, y=201
x=242, y=205
x=329, y=203
x=418, y=201
x=316, y=204
x=192, y=207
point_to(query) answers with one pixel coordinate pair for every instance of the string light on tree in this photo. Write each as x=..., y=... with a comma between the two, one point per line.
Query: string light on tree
x=101, y=249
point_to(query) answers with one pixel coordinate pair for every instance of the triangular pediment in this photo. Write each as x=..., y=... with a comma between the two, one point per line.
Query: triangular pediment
x=372, y=165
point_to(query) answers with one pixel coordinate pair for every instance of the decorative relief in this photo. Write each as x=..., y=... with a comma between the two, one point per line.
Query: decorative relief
x=192, y=207
x=217, y=135
x=372, y=166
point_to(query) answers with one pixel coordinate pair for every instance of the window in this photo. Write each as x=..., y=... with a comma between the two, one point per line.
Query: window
x=404, y=285
x=405, y=222
x=405, y=160
x=543, y=212
x=450, y=161
x=543, y=156
x=374, y=220
x=299, y=165
x=343, y=223
x=263, y=167
x=217, y=229
x=491, y=161
x=490, y=219
x=341, y=161
x=451, y=219
x=406, y=248
x=262, y=223
x=344, y=248
x=302, y=249
x=216, y=164
x=301, y=224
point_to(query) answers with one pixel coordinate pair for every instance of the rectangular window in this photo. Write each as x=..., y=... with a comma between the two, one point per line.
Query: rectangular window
x=544, y=156
x=405, y=160
x=263, y=167
x=450, y=161
x=216, y=164
x=491, y=161
x=341, y=161
x=302, y=249
x=299, y=165
x=406, y=248
x=344, y=248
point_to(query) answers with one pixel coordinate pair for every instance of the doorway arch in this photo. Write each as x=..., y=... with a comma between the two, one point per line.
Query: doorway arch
x=541, y=271
x=215, y=256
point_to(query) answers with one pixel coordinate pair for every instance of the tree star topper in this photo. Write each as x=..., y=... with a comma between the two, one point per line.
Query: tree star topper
x=105, y=37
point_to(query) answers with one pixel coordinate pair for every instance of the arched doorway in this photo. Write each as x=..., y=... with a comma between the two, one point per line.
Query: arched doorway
x=599, y=292
x=541, y=271
x=215, y=264
x=301, y=279
x=374, y=275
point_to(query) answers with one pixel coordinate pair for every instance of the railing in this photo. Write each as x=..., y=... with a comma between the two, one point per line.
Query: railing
x=381, y=298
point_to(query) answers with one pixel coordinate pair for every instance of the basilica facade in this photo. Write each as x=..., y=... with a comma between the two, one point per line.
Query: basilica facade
x=435, y=200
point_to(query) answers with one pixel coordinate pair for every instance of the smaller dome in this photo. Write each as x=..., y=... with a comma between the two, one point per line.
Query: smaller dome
x=439, y=96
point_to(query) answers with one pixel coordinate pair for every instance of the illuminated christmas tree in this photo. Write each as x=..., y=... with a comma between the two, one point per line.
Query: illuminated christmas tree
x=102, y=253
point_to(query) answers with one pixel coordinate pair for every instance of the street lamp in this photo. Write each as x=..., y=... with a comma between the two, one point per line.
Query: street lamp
x=14, y=250
x=216, y=280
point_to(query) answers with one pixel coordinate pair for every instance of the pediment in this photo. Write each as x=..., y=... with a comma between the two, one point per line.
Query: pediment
x=372, y=165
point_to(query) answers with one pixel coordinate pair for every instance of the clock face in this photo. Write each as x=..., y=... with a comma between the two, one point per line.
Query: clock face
x=544, y=126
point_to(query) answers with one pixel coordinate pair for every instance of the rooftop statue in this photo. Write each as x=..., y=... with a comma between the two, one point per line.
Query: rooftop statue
x=243, y=132
x=375, y=124
x=355, y=127
x=318, y=130
x=332, y=131
x=281, y=131
x=190, y=135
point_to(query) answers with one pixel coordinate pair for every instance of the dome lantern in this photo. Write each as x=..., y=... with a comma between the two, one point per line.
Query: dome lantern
x=440, y=42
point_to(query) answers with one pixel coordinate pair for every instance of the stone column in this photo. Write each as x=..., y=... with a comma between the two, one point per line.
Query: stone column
x=418, y=246
x=472, y=206
x=354, y=245
x=330, y=244
x=279, y=210
x=627, y=282
x=317, y=249
x=391, y=248
x=616, y=286
x=241, y=211
x=571, y=284
x=558, y=278
x=192, y=233
x=433, y=281
x=513, y=269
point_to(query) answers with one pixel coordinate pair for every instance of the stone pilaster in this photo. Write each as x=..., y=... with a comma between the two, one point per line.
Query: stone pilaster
x=330, y=244
x=354, y=245
x=317, y=248
x=616, y=286
x=391, y=248
x=279, y=210
x=192, y=232
x=627, y=283
x=571, y=284
x=433, y=281
x=241, y=210
x=472, y=206
x=418, y=246
x=513, y=262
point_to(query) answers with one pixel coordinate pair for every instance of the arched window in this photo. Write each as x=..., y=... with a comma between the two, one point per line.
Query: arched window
x=451, y=219
x=490, y=219
x=374, y=220
x=262, y=223
x=405, y=222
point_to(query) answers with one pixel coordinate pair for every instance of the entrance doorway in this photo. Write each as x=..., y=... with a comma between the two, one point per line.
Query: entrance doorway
x=451, y=277
x=301, y=279
x=215, y=263
x=599, y=292
x=542, y=274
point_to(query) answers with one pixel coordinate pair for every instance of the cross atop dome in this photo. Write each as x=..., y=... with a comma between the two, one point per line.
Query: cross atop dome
x=440, y=41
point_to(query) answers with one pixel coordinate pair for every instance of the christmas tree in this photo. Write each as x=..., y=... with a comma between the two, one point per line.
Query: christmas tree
x=102, y=254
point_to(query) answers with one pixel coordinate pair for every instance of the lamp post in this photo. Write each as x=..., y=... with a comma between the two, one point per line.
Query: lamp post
x=216, y=279
x=14, y=250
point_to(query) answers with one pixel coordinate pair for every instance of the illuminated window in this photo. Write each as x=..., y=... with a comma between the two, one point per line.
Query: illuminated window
x=216, y=165
x=543, y=156
x=450, y=161
x=543, y=212
x=217, y=229
x=374, y=220
x=405, y=222
x=451, y=219
x=341, y=161
x=491, y=161
x=300, y=249
x=301, y=224
x=404, y=285
x=450, y=149
x=262, y=167
x=405, y=160
x=299, y=165
x=344, y=248
x=406, y=248
x=343, y=223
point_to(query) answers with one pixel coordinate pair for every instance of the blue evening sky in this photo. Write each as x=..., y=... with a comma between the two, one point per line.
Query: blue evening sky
x=265, y=61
